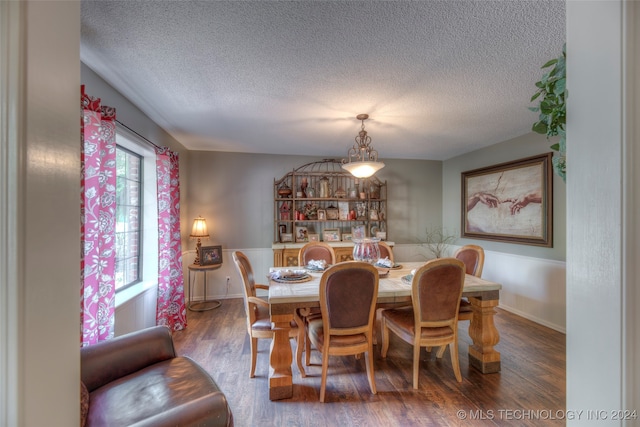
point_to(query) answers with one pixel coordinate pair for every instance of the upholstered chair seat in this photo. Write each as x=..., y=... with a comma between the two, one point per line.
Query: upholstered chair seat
x=263, y=319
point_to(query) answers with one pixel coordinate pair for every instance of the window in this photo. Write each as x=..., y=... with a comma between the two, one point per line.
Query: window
x=128, y=217
x=136, y=221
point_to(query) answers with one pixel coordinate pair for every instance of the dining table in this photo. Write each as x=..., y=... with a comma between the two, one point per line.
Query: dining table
x=394, y=289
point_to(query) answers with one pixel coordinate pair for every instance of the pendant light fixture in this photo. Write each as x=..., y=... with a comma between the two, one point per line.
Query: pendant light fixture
x=362, y=160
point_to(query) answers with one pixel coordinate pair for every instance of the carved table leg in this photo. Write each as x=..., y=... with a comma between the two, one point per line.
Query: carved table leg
x=280, y=358
x=485, y=336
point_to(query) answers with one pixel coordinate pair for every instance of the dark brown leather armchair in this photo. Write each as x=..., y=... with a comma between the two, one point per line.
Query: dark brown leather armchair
x=137, y=379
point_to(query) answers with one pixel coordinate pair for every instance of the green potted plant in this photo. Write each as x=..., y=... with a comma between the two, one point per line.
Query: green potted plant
x=551, y=96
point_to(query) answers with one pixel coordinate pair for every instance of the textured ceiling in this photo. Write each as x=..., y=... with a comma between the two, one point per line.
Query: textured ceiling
x=438, y=78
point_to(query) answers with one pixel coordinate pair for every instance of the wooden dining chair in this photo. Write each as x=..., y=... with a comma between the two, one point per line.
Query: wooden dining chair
x=313, y=251
x=258, y=317
x=432, y=319
x=473, y=258
x=348, y=293
x=316, y=251
x=385, y=251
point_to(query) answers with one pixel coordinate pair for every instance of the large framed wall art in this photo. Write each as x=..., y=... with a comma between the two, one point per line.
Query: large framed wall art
x=510, y=202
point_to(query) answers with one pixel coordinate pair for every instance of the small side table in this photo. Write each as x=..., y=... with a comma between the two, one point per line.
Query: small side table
x=205, y=304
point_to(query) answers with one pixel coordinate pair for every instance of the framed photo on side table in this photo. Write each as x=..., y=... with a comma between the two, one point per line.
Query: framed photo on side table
x=314, y=237
x=210, y=255
x=286, y=237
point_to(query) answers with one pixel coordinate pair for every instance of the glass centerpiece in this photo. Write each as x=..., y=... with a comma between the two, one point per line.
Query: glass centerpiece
x=366, y=250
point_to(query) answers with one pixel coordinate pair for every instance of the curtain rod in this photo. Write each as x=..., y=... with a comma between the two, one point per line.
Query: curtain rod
x=131, y=130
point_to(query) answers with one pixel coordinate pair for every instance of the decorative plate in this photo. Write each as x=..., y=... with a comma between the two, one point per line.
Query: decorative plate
x=294, y=278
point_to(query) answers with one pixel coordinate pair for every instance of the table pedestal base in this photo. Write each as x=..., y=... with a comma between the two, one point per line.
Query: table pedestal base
x=485, y=336
x=280, y=358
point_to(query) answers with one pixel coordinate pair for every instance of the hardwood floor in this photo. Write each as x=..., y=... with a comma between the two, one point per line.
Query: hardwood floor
x=529, y=391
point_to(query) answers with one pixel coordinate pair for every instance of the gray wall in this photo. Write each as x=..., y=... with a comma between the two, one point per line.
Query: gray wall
x=135, y=119
x=234, y=192
x=517, y=148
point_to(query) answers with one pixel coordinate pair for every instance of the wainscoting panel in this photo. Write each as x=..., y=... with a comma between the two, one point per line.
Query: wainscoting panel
x=139, y=312
x=533, y=288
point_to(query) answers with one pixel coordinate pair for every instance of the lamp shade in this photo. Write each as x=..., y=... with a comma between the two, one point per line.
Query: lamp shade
x=363, y=169
x=199, y=228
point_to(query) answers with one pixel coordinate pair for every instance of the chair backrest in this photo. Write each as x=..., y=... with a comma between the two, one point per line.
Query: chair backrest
x=316, y=251
x=243, y=266
x=473, y=258
x=436, y=292
x=385, y=251
x=348, y=294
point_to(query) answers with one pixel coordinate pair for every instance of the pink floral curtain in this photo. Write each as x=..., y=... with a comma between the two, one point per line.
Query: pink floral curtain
x=171, y=310
x=98, y=207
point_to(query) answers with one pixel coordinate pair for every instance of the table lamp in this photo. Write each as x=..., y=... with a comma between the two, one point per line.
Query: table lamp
x=199, y=231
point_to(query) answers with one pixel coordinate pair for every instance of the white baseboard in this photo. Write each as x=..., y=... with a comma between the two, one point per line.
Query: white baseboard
x=535, y=319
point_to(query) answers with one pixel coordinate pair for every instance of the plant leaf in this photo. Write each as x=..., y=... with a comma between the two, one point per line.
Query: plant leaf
x=560, y=86
x=539, y=127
